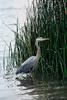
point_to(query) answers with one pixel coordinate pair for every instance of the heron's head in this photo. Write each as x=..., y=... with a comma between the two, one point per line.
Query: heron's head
x=39, y=39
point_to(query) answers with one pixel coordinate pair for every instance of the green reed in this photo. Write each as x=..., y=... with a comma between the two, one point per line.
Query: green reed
x=45, y=18
x=49, y=20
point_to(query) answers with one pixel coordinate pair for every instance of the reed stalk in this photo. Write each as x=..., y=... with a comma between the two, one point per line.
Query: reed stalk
x=46, y=19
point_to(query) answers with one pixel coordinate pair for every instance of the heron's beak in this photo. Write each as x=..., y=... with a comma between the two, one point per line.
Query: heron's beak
x=44, y=39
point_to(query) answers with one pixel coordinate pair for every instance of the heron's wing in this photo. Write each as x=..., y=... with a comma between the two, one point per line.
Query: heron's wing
x=27, y=66
x=29, y=60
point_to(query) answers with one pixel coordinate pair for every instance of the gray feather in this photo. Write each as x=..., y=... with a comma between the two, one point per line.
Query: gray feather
x=28, y=65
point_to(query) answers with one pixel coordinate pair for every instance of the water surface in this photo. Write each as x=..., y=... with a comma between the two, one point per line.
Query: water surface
x=21, y=87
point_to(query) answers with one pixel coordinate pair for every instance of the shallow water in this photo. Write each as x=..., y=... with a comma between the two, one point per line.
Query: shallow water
x=24, y=88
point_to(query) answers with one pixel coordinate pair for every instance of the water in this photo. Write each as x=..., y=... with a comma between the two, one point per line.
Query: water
x=11, y=86
x=14, y=87
x=10, y=10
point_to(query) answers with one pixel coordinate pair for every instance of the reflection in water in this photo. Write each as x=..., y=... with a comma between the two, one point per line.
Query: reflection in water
x=24, y=88
x=44, y=91
x=27, y=82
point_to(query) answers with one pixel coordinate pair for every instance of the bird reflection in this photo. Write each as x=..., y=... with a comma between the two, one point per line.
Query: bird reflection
x=26, y=81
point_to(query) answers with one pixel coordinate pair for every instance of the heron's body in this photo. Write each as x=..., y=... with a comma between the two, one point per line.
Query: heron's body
x=31, y=62
x=27, y=66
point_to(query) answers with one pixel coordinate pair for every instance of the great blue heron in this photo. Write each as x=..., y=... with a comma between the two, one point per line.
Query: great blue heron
x=31, y=62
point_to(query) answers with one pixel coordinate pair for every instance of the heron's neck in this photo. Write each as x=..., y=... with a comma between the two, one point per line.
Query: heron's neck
x=38, y=50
